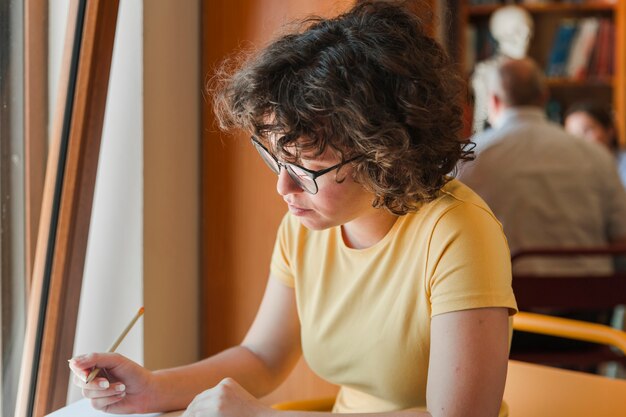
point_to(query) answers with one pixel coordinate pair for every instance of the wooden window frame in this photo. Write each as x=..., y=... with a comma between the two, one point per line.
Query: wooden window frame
x=66, y=207
x=35, y=122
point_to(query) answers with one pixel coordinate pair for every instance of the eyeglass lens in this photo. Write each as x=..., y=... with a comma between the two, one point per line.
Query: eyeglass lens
x=301, y=177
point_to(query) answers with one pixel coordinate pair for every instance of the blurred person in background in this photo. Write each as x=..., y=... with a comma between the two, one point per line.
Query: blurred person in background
x=594, y=122
x=549, y=188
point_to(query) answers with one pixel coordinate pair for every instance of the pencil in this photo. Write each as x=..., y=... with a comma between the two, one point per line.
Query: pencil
x=96, y=371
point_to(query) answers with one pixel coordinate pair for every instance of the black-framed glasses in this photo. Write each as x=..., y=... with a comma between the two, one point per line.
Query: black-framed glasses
x=303, y=177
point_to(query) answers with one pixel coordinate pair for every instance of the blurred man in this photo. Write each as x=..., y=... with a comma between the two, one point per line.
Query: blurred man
x=547, y=187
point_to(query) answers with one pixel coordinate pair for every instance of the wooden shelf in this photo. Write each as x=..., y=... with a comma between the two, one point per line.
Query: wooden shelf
x=548, y=8
x=546, y=19
x=571, y=83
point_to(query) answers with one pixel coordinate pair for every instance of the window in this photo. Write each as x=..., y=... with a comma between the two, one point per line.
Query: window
x=12, y=221
x=66, y=197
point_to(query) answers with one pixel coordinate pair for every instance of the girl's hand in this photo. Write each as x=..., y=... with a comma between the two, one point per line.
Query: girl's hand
x=122, y=386
x=227, y=399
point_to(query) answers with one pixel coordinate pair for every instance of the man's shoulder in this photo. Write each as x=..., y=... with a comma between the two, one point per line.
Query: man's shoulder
x=496, y=141
x=510, y=132
x=491, y=137
x=591, y=151
x=541, y=135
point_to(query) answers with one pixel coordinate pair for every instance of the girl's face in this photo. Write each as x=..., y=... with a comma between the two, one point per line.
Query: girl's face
x=581, y=124
x=335, y=203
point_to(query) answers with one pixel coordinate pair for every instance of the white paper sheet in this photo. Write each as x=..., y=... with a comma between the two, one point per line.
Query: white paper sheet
x=82, y=408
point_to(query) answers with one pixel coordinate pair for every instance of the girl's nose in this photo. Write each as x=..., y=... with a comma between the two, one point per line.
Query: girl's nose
x=285, y=184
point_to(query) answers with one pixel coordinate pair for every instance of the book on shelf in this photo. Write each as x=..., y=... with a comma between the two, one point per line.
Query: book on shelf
x=582, y=48
x=561, y=47
x=600, y=66
x=611, y=47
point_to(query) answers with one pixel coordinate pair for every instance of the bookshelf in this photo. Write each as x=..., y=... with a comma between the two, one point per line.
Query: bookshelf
x=601, y=81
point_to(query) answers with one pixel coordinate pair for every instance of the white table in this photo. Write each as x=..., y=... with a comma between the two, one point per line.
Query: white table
x=82, y=408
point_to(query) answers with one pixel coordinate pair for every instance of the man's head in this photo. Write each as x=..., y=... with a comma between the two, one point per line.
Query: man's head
x=515, y=83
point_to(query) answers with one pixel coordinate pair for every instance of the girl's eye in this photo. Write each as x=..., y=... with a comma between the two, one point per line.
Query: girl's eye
x=299, y=173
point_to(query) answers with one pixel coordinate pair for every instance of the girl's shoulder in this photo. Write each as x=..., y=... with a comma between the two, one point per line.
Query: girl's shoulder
x=458, y=196
x=458, y=207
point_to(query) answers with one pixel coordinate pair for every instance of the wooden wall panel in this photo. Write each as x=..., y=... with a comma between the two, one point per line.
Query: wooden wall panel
x=241, y=209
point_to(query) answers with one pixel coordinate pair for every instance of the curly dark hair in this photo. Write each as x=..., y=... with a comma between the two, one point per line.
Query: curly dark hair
x=368, y=83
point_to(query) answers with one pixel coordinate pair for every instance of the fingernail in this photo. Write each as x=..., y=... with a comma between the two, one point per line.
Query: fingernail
x=120, y=387
x=103, y=384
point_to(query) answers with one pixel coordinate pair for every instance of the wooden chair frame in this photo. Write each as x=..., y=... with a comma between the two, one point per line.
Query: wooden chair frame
x=583, y=291
x=569, y=293
x=543, y=391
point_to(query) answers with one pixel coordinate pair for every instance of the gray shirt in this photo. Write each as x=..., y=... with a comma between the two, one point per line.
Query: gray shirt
x=549, y=189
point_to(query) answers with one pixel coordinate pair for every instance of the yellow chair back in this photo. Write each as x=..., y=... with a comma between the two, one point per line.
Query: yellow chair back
x=543, y=391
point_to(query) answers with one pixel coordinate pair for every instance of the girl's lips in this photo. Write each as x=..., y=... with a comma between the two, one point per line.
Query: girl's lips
x=298, y=211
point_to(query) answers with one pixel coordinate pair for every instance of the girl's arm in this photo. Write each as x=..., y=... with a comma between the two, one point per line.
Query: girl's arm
x=260, y=363
x=469, y=355
x=467, y=372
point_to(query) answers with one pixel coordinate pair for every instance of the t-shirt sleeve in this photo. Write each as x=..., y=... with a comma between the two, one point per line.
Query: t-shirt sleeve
x=281, y=264
x=469, y=264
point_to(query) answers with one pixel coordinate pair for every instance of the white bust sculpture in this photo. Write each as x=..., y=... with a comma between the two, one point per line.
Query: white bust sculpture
x=512, y=28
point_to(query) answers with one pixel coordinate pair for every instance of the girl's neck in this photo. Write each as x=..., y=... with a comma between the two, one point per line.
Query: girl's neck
x=367, y=230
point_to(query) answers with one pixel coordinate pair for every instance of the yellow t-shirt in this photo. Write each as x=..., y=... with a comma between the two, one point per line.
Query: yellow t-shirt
x=365, y=313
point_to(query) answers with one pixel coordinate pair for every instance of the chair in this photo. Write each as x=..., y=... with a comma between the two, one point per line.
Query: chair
x=569, y=293
x=315, y=404
x=542, y=391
